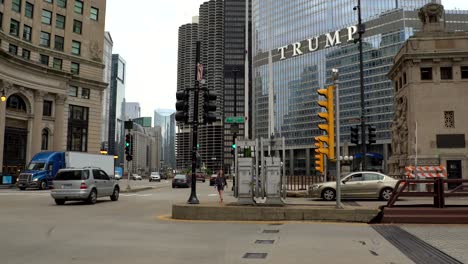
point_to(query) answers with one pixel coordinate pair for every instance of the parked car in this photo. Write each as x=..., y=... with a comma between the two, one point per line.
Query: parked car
x=155, y=176
x=181, y=180
x=136, y=177
x=163, y=175
x=87, y=184
x=200, y=177
x=362, y=184
x=213, y=179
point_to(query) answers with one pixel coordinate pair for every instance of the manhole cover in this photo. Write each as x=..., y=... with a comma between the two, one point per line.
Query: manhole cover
x=271, y=231
x=261, y=241
x=255, y=255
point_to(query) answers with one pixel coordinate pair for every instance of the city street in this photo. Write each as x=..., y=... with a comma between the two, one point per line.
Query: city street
x=136, y=229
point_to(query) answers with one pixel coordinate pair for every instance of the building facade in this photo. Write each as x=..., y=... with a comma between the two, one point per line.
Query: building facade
x=117, y=108
x=51, y=72
x=146, y=150
x=107, y=78
x=304, y=44
x=235, y=52
x=165, y=119
x=188, y=37
x=430, y=77
x=132, y=110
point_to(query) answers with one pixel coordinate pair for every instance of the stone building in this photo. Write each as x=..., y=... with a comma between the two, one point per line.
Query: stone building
x=51, y=73
x=430, y=77
x=146, y=150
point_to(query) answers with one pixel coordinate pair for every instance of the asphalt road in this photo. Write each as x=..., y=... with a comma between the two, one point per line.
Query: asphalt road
x=34, y=230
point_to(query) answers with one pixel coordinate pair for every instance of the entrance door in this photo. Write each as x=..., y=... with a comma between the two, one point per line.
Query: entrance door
x=453, y=172
x=14, y=150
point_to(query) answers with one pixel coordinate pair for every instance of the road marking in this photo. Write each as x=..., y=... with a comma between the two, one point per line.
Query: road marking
x=134, y=194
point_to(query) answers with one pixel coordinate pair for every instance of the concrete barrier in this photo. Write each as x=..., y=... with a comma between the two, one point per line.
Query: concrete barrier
x=233, y=212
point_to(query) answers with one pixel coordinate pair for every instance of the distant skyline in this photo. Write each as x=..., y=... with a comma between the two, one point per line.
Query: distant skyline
x=145, y=34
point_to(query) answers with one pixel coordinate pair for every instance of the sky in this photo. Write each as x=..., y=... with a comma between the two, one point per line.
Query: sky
x=145, y=34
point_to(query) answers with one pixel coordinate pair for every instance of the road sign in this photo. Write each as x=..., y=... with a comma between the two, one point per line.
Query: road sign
x=235, y=119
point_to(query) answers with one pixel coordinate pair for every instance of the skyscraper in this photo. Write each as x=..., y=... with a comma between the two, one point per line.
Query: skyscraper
x=132, y=110
x=165, y=119
x=117, y=108
x=107, y=60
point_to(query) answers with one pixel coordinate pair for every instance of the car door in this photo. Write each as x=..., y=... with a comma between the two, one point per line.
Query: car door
x=372, y=184
x=107, y=183
x=98, y=182
x=352, y=186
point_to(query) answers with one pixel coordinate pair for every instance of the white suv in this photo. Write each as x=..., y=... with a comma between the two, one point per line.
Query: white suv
x=155, y=176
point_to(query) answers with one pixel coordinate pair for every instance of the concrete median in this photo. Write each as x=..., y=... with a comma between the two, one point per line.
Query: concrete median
x=233, y=212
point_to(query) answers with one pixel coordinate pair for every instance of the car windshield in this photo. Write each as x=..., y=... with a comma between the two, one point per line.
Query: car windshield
x=179, y=176
x=37, y=166
x=155, y=173
x=70, y=175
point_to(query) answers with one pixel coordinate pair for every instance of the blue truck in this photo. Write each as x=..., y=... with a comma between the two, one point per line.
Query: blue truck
x=45, y=165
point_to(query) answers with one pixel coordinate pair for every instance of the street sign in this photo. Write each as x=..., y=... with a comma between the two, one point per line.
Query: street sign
x=235, y=119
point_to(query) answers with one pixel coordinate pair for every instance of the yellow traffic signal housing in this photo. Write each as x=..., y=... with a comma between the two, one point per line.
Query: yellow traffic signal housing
x=319, y=162
x=329, y=116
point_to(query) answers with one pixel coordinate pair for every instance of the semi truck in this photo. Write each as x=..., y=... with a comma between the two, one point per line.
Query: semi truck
x=45, y=165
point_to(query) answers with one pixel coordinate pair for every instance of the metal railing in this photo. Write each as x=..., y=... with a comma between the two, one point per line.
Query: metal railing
x=402, y=189
x=301, y=182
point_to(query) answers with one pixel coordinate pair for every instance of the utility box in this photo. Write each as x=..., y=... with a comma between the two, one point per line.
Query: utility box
x=273, y=180
x=245, y=180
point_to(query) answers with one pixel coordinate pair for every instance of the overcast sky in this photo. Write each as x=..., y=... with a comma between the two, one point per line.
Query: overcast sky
x=145, y=34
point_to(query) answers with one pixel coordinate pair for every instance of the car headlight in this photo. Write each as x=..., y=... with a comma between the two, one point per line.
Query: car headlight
x=35, y=179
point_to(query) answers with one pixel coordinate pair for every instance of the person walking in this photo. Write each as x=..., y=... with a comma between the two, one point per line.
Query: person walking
x=220, y=183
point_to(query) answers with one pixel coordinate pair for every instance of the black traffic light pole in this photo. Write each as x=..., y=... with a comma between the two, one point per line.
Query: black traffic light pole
x=361, y=31
x=193, y=193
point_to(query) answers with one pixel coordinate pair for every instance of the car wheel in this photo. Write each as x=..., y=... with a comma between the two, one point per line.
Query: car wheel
x=386, y=194
x=329, y=194
x=203, y=180
x=115, y=194
x=150, y=180
x=22, y=188
x=92, y=198
x=42, y=185
x=59, y=201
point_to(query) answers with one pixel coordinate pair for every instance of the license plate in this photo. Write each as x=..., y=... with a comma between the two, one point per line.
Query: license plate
x=66, y=186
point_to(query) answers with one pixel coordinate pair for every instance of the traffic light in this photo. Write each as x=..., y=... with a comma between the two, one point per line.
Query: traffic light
x=128, y=155
x=329, y=127
x=371, y=134
x=131, y=146
x=319, y=162
x=209, y=107
x=355, y=135
x=182, y=107
x=233, y=147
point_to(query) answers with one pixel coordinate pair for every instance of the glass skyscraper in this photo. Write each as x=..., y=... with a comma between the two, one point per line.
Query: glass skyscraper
x=307, y=38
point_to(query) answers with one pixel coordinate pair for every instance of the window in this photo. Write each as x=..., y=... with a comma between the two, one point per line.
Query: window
x=47, y=108
x=75, y=68
x=464, y=72
x=45, y=139
x=62, y=3
x=14, y=27
x=94, y=13
x=44, y=59
x=60, y=21
x=426, y=73
x=355, y=177
x=58, y=43
x=373, y=177
x=16, y=5
x=78, y=7
x=49, y=1
x=16, y=103
x=77, y=128
x=85, y=93
x=404, y=78
x=13, y=49
x=76, y=47
x=27, y=33
x=1, y=20
x=73, y=91
x=446, y=73
x=57, y=64
x=26, y=54
x=45, y=39
x=77, y=26
x=46, y=17
x=29, y=10
x=449, y=119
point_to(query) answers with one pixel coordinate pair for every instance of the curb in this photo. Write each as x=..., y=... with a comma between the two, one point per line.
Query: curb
x=136, y=190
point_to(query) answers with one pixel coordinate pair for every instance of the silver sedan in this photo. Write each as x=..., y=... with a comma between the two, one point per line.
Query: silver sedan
x=362, y=184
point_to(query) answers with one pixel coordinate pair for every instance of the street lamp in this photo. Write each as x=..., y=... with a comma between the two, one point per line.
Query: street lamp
x=3, y=97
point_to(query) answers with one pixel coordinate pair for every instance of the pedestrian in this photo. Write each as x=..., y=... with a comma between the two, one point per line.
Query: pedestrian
x=220, y=183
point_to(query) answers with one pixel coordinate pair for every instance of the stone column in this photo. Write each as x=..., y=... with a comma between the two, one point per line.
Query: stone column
x=291, y=162
x=36, y=129
x=59, y=126
x=2, y=131
x=308, y=161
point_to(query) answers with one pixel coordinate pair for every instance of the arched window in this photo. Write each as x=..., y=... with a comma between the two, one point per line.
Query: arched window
x=16, y=103
x=45, y=139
